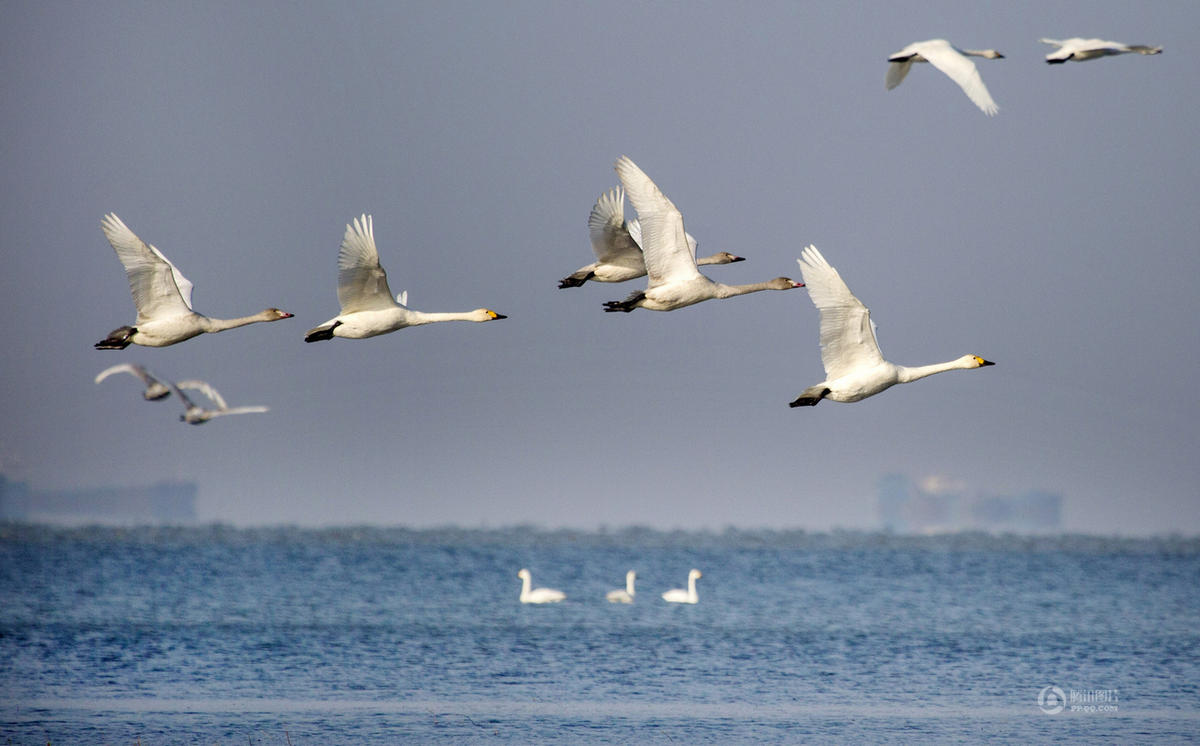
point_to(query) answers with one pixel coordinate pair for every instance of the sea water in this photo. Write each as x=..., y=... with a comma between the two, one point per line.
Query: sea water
x=290, y=636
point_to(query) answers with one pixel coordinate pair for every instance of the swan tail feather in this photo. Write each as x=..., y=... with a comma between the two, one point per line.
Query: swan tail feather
x=117, y=339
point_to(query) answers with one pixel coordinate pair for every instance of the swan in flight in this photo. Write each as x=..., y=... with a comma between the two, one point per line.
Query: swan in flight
x=1089, y=49
x=854, y=366
x=674, y=282
x=623, y=595
x=368, y=308
x=952, y=61
x=537, y=595
x=680, y=596
x=163, y=297
x=197, y=415
x=155, y=389
x=617, y=244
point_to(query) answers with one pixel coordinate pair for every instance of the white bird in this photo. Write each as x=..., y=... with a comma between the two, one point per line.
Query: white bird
x=617, y=244
x=1089, y=49
x=674, y=280
x=368, y=308
x=163, y=297
x=196, y=415
x=537, y=595
x=950, y=60
x=854, y=366
x=681, y=596
x=155, y=389
x=623, y=595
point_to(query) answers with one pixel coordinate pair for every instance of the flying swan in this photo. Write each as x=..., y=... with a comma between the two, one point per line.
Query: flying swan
x=155, y=389
x=623, y=595
x=674, y=282
x=537, y=595
x=854, y=366
x=196, y=415
x=950, y=60
x=163, y=297
x=1089, y=49
x=368, y=308
x=617, y=244
x=680, y=596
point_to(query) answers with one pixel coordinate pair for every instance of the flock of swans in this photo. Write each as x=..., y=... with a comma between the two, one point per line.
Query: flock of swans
x=193, y=414
x=954, y=62
x=626, y=595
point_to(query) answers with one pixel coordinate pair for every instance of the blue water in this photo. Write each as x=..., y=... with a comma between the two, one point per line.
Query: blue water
x=277, y=636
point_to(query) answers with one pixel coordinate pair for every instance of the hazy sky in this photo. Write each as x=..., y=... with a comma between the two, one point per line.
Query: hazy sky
x=1058, y=239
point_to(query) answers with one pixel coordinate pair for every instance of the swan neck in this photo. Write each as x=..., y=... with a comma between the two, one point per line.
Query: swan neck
x=905, y=374
x=420, y=317
x=210, y=324
x=728, y=291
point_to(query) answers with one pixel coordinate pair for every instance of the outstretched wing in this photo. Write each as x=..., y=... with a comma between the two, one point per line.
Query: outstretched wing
x=961, y=70
x=847, y=334
x=362, y=282
x=205, y=389
x=159, y=289
x=611, y=239
x=665, y=246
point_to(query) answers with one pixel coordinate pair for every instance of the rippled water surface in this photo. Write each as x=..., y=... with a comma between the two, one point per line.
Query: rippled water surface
x=376, y=635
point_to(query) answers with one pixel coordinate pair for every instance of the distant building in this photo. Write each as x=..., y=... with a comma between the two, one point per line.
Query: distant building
x=163, y=502
x=937, y=505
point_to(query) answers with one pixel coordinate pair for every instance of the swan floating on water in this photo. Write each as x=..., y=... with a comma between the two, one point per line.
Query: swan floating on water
x=537, y=595
x=1089, y=49
x=163, y=297
x=854, y=366
x=674, y=280
x=367, y=306
x=196, y=415
x=681, y=596
x=617, y=244
x=155, y=389
x=950, y=60
x=623, y=595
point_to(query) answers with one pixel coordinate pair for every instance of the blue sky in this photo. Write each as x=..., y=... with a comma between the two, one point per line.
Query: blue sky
x=1057, y=239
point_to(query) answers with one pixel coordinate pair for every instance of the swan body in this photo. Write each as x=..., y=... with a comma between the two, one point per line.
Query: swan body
x=681, y=596
x=367, y=306
x=623, y=595
x=674, y=280
x=537, y=595
x=617, y=244
x=163, y=297
x=196, y=415
x=1089, y=49
x=155, y=389
x=950, y=60
x=854, y=366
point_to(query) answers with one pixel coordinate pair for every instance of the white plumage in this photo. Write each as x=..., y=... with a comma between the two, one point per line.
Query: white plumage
x=950, y=60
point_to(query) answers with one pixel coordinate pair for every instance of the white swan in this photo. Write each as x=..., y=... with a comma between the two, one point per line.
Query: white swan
x=196, y=415
x=617, y=244
x=623, y=595
x=674, y=282
x=1089, y=49
x=368, y=308
x=854, y=366
x=681, y=596
x=155, y=389
x=163, y=297
x=950, y=60
x=537, y=595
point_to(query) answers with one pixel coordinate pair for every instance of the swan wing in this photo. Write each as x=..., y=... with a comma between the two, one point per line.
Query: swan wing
x=244, y=410
x=207, y=390
x=362, y=281
x=611, y=239
x=897, y=70
x=961, y=70
x=664, y=241
x=847, y=335
x=121, y=368
x=159, y=289
x=635, y=232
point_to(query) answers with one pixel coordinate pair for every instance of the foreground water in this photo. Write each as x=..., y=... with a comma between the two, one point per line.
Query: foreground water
x=217, y=635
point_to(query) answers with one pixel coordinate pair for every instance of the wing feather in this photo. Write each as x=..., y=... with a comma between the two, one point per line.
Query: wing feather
x=847, y=334
x=159, y=289
x=362, y=281
x=665, y=246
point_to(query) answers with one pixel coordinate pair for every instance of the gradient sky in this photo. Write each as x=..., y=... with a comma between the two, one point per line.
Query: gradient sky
x=1058, y=239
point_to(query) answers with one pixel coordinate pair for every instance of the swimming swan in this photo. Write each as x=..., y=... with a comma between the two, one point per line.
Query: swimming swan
x=623, y=595
x=674, y=282
x=368, y=308
x=1089, y=49
x=163, y=297
x=680, y=596
x=854, y=366
x=617, y=244
x=537, y=595
x=950, y=60
x=197, y=415
x=155, y=389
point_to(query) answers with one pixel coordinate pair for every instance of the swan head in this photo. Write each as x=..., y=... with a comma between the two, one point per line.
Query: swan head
x=724, y=257
x=784, y=283
x=523, y=574
x=973, y=361
x=486, y=314
x=695, y=574
x=274, y=314
x=156, y=391
x=990, y=54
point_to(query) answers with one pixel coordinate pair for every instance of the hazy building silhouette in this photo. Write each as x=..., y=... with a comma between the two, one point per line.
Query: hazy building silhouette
x=162, y=502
